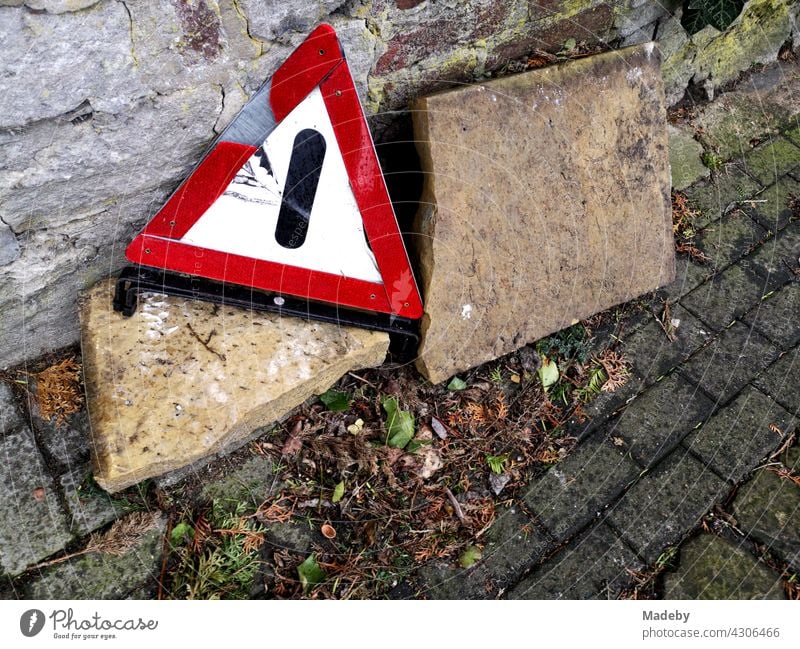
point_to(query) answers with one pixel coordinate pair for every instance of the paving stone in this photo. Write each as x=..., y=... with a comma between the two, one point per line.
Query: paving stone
x=608, y=234
x=777, y=316
x=730, y=362
x=575, y=491
x=771, y=207
x=66, y=444
x=738, y=437
x=782, y=381
x=713, y=568
x=688, y=276
x=728, y=295
x=735, y=119
x=778, y=259
x=513, y=544
x=594, y=566
x=768, y=509
x=103, y=576
x=181, y=379
x=89, y=507
x=666, y=503
x=32, y=523
x=293, y=535
x=771, y=160
x=711, y=197
x=685, y=164
x=653, y=354
x=729, y=239
x=657, y=420
x=9, y=413
x=253, y=481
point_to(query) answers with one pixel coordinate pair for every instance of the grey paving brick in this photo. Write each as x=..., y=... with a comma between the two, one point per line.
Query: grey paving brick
x=782, y=381
x=729, y=239
x=9, y=413
x=32, y=523
x=771, y=160
x=89, y=507
x=777, y=316
x=513, y=544
x=688, y=276
x=713, y=568
x=777, y=260
x=737, y=438
x=771, y=207
x=711, y=197
x=665, y=504
x=574, y=492
x=253, y=480
x=727, y=296
x=730, y=362
x=768, y=509
x=594, y=566
x=103, y=576
x=657, y=420
x=792, y=133
x=65, y=444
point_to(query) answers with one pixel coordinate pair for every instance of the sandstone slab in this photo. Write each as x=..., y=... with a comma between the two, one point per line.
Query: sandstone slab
x=546, y=200
x=183, y=379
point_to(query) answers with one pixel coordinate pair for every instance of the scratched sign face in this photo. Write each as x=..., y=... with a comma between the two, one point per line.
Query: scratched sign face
x=292, y=202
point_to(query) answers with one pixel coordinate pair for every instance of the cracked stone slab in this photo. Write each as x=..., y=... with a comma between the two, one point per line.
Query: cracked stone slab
x=730, y=362
x=729, y=239
x=577, y=490
x=738, y=437
x=685, y=164
x=182, y=379
x=656, y=421
x=713, y=568
x=772, y=207
x=32, y=523
x=571, y=197
x=66, y=444
x=104, y=576
x=9, y=246
x=771, y=160
x=513, y=544
x=768, y=510
x=778, y=259
x=782, y=381
x=666, y=503
x=594, y=566
x=776, y=316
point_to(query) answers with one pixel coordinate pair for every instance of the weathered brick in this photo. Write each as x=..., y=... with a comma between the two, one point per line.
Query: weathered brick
x=727, y=295
x=657, y=420
x=88, y=506
x=32, y=524
x=729, y=239
x=777, y=260
x=713, y=568
x=66, y=445
x=735, y=440
x=777, y=314
x=771, y=160
x=768, y=509
x=9, y=413
x=593, y=566
x=771, y=207
x=688, y=276
x=513, y=544
x=711, y=197
x=730, y=362
x=575, y=491
x=782, y=381
x=664, y=505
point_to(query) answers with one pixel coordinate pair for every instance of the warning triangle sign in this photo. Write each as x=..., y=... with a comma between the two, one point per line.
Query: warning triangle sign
x=291, y=198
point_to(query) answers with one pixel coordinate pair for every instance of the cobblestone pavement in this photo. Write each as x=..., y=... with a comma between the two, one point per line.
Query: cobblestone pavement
x=676, y=488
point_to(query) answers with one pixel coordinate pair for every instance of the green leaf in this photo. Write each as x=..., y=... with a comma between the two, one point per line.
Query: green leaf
x=548, y=373
x=470, y=556
x=399, y=424
x=310, y=573
x=570, y=44
x=338, y=492
x=181, y=532
x=335, y=401
x=497, y=463
x=456, y=385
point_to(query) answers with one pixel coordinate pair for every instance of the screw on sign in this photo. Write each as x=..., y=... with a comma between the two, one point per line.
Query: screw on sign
x=289, y=203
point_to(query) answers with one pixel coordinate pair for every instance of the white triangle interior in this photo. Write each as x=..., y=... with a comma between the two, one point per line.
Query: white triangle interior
x=243, y=220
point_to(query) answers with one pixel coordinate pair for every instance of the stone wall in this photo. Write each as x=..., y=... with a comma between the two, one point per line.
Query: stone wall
x=108, y=104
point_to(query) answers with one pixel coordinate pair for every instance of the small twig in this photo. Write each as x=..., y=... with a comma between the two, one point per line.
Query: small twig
x=363, y=380
x=205, y=342
x=456, y=506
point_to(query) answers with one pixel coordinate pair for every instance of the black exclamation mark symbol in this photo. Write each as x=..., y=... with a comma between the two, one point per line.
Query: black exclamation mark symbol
x=305, y=167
